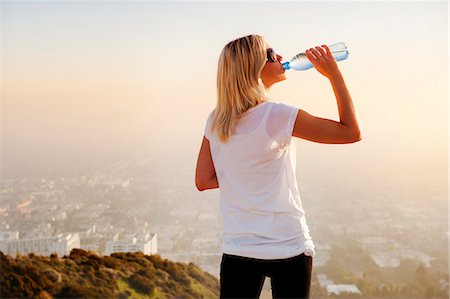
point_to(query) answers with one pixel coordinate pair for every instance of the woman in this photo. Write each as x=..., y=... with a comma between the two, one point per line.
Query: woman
x=249, y=151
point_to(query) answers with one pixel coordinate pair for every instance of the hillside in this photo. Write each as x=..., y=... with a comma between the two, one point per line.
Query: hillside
x=86, y=275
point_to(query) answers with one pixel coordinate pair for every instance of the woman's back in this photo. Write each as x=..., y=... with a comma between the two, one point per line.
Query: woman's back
x=260, y=204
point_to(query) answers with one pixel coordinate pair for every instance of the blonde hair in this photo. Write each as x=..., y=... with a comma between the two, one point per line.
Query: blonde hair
x=239, y=84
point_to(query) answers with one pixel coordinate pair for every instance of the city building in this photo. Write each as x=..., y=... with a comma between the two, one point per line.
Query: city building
x=147, y=244
x=62, y=244
x=342, y=288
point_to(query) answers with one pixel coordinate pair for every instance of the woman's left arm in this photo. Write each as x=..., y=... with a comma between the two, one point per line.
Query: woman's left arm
x=205, y=175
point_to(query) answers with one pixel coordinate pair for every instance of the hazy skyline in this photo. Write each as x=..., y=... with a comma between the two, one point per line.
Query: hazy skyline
x=106, y=79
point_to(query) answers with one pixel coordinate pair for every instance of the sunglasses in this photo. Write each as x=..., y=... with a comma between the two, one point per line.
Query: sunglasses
x=271, y=55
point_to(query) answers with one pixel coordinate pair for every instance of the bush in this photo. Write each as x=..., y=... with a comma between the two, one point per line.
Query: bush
x=124, y=295
x=77, y=252
x=52, y=275
x=45, y=295
x=111, y=262
x=141, y=284
x=73, y=290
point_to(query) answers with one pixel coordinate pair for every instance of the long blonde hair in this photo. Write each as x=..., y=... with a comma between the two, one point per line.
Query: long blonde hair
x=239, y=84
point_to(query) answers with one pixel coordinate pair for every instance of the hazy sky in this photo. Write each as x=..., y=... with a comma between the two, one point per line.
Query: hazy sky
x=94, y=79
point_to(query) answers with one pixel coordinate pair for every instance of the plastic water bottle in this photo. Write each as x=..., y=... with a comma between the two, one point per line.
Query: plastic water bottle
x=300, y=62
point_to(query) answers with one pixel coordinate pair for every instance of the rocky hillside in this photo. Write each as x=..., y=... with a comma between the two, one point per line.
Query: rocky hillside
x=86, y=275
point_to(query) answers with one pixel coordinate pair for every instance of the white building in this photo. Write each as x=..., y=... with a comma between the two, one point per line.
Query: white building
x=6, y=235
x=62, y=244
x=147, y=244
x=341, y=288
x=324, y=281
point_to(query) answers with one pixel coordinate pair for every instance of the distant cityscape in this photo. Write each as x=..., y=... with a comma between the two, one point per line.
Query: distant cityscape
x=130, y=207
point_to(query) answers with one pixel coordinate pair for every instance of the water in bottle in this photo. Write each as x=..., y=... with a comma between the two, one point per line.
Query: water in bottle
x=300, y=62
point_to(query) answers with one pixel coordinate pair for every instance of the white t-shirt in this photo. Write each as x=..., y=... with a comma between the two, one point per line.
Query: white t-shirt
x=260, y=204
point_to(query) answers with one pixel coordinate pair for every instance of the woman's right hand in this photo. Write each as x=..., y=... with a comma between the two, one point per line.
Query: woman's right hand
x=323, y=61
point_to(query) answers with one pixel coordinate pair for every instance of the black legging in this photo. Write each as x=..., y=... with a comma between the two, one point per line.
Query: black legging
x=243, y=277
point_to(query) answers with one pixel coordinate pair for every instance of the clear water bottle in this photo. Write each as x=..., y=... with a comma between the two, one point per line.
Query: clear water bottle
x=300, y=62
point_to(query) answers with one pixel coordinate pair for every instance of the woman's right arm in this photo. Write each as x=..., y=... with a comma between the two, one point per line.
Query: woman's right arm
x=323, y=130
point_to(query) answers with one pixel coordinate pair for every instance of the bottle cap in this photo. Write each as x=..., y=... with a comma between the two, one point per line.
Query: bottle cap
x=286, y=65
